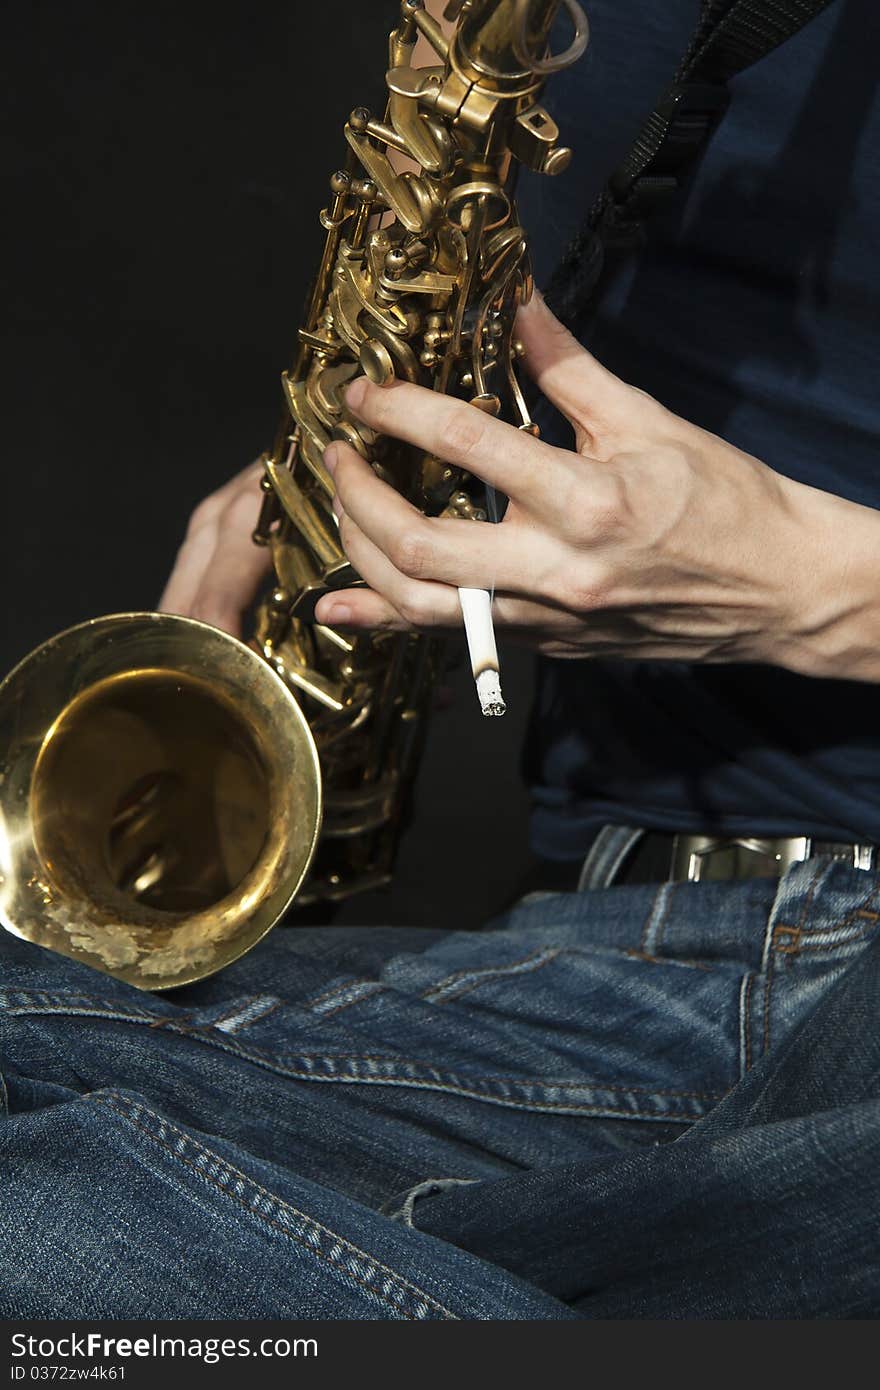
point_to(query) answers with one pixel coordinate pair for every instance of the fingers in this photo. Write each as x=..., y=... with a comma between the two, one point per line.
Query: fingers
x=507, y=458
x=569, y=376
x=218, y=569
x=193, y=559
x=361, y=608
x=420, y=603
x=450, y=551
x=533, y=624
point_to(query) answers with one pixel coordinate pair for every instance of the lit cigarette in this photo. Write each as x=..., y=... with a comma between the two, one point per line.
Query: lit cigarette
x=476, y=608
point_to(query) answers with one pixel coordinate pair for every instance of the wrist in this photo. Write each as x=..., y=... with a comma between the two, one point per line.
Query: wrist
x=834, y=628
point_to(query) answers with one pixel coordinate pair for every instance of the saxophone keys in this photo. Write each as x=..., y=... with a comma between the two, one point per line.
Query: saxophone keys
x=462, y=204
x=377, y=362
x=488, y=402
x=360, y=438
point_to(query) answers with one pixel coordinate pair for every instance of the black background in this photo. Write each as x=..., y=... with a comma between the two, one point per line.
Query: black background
x=164, y=167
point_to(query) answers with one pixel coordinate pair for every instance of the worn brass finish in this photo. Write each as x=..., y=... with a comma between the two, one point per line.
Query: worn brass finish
x=160, y=798
x=160, y=789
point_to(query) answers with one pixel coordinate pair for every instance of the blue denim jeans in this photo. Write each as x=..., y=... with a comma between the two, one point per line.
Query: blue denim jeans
x=635, y=1102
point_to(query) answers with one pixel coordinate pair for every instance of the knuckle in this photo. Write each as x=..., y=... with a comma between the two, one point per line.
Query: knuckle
x=580, y=589
x=598, y=509
x=194, y=551
x=589, y=591
x=411, y=554
x=415, y=609
x=464, y=432
x=242, y=511
x=203, y=515
x=608, y=510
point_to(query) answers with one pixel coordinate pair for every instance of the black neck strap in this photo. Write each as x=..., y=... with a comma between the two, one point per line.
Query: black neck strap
x=731, y=35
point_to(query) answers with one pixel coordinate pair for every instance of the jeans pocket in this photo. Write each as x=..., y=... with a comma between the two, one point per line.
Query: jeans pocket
x=825, y=916
x=518, y=1022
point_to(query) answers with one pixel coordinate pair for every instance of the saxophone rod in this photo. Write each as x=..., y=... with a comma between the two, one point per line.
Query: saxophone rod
x=476, y=609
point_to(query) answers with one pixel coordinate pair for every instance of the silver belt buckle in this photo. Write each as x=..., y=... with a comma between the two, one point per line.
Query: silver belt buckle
x=702, y=858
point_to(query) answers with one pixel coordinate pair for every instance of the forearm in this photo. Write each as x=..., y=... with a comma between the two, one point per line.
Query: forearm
x=836, y=633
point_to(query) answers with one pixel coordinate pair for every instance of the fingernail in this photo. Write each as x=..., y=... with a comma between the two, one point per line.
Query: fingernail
x=331, y=453
x=355, y=392
x=339, y=613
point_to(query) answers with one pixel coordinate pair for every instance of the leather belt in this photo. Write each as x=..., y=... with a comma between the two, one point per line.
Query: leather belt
x=625, y=855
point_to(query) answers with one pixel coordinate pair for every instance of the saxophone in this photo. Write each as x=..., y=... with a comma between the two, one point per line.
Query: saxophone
x=166, y=792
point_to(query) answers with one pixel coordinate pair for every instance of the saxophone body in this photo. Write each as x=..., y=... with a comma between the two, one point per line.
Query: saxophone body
x=422, y=274
x=166, y=791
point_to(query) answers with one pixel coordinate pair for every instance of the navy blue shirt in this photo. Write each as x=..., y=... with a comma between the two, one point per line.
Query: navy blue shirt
x=753, y=312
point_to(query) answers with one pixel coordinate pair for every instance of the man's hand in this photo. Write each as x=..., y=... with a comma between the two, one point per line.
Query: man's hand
x=653, y=539
x=218, y=569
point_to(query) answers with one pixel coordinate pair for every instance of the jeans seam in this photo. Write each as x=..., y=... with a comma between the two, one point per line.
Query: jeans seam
x=768, y=985
x=847, y=920
x=124, y=1107
x=652, y=934
x=450, y=1083
x=245, y=1022
x=746, y=1023
x=837, y=926
x=104, y=1006
x=795, y=949
x=236, y=1008
x=772, y=948
x=328, y=994
x=470, y=979
x=439, y=986
x=376, y=988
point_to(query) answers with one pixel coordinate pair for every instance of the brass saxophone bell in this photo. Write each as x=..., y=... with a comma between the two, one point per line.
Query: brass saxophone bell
x=160, y=798
x=160, y=791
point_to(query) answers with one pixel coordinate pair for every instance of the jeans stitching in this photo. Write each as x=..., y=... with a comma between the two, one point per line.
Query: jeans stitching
x=328, y=994
x=835, y=927
x=441, y=985
x=124, y=1107
x=73, y=997
x=746, y=1021
x=768, y=983
x=471, y=979
x=245, y=1022
x=811, y=892
x=798, y=950
x=356, y=999
x=847, y=920
x=235, y=1008
x=252, y=1052
x=450, y=1082
x=773, y=949
x=767, y=953
x=661, y=900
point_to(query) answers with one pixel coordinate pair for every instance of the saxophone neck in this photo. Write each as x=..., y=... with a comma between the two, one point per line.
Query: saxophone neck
x=498, y=39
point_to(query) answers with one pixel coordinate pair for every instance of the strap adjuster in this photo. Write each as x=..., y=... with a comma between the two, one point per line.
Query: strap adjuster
x=710, y=99
x=674, y=133
x=691, y=111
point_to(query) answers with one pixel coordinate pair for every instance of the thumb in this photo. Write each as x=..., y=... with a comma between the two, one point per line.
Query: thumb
x=569, y=376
